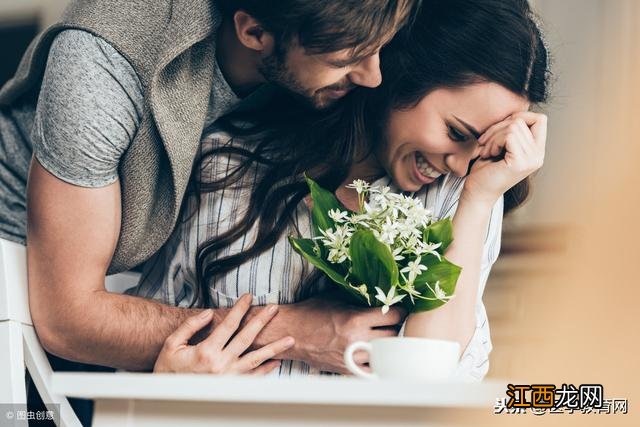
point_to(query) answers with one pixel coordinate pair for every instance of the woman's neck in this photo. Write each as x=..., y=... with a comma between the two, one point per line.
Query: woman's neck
x=368, y=169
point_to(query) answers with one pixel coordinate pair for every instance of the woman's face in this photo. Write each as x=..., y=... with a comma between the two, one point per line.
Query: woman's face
x=439, y=135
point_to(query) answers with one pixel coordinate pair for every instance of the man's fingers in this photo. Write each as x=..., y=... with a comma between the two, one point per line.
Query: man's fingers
x=383, y=332
x=361, y=357
x=266, y=367
x=394, y=316
x=225, y=330
x=188, y=328
x=250, y=331
x=256, y=358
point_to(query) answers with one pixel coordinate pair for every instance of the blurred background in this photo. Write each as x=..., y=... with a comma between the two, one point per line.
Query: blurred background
x=563, y=297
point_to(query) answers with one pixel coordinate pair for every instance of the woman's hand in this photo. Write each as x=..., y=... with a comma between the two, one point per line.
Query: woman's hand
x=218, y=353
x=522, y=138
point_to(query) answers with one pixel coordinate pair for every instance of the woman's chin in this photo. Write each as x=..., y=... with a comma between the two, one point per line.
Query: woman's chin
x=406, y=184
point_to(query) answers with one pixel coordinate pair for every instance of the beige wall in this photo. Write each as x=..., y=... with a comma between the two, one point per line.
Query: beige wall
x=594, y=45
x=572, y=315
x=46, y=11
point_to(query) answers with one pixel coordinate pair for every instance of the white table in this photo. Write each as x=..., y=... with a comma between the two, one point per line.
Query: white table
x=133, y=399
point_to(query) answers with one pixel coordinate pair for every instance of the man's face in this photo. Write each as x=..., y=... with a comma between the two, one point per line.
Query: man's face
x=321, y=79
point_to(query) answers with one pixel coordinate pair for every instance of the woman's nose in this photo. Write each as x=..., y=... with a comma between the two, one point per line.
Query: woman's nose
x=458, y=163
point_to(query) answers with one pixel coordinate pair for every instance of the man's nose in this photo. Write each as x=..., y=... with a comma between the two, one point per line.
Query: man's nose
x=367, y=72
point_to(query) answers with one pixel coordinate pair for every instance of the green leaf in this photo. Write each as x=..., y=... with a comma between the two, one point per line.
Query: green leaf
x=305, y=248
x=440, y=231
x=323, y=202
x=372, y=262
x=445, y=272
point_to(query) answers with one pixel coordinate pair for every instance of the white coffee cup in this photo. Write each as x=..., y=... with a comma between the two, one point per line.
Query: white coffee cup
x=406, y=358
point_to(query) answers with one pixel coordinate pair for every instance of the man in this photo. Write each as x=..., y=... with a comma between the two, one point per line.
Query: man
x=111, y=102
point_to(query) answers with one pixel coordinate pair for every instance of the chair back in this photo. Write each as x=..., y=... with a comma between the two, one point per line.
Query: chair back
x=14, y=296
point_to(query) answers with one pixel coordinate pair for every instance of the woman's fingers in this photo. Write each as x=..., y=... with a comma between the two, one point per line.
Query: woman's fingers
x=515, y=137
x=250, y=331
x=251, y=361
x=188, y=328
x=225, y=330
x=266, y=367
x=489, y=133
x=537, y=123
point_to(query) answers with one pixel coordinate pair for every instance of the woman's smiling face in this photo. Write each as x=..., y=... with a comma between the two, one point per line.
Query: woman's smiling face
x=439, y=135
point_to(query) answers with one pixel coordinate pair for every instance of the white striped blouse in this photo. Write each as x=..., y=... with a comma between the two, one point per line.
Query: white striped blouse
x=275, y=276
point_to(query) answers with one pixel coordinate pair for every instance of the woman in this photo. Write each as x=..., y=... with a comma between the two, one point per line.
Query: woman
x=449, y=123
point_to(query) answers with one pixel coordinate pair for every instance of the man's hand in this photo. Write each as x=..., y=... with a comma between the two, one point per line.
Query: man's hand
x=325, y=325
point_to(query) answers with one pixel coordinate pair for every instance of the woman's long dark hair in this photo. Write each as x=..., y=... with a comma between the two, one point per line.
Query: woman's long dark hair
x=452, y=43
x=455, y=43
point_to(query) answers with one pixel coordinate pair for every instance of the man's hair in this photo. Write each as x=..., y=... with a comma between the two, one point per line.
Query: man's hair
x=322, y=26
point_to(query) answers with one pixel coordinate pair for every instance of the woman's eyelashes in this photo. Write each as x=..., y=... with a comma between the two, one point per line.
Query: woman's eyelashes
x=457, y=135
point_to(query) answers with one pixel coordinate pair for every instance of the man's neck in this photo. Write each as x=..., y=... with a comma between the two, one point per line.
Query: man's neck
x=239, y=65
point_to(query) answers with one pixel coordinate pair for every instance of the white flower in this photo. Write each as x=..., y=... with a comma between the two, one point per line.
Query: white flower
x=407, y=229
x=388, y=232
x=337, y=242
x=439, y=293
x=338, y=256
x=397, y=254
x=412, y=244
x=338, y=216
x=430, y=248
x=414, y=268
x=419, y=215
x=359, y=185
x=380, y=196
x=388, y=299
x=362, y=290
x=412, y=291
x=360, y=219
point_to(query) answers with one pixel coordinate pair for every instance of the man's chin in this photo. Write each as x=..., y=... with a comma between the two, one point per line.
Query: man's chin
x=323, y=104
x=317, y=100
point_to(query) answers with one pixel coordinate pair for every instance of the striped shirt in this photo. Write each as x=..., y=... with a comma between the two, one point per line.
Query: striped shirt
x=275, y=276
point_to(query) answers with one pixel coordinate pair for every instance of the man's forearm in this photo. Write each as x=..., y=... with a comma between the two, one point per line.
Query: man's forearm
x=115, y=330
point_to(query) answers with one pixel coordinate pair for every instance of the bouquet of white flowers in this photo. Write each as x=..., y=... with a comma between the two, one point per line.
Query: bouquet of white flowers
x=392, y=247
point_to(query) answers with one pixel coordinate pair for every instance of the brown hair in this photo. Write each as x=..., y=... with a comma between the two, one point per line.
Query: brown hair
x=322, y=26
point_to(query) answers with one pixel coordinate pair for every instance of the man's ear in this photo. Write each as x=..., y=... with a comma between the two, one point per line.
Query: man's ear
x=252, y=34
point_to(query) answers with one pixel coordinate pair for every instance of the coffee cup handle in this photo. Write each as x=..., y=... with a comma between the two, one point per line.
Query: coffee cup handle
x=351, y=364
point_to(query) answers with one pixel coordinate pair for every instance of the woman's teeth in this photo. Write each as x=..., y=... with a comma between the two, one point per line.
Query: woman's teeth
x=424, y=167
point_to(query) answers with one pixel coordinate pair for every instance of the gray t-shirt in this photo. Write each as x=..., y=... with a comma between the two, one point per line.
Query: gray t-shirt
x=88, y=112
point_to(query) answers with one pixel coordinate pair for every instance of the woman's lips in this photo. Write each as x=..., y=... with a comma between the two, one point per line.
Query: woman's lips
x=422, y=179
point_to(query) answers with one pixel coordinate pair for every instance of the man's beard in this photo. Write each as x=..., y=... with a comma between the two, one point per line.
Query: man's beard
x=274, y=69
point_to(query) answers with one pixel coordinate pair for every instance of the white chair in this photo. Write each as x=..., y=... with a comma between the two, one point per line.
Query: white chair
x=19, y=344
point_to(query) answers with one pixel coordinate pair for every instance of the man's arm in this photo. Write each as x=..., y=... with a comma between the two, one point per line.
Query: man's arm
x=72, y=234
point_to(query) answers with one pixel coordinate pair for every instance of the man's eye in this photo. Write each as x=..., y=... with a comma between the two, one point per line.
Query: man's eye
x=456, y=135
x=343, y=64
